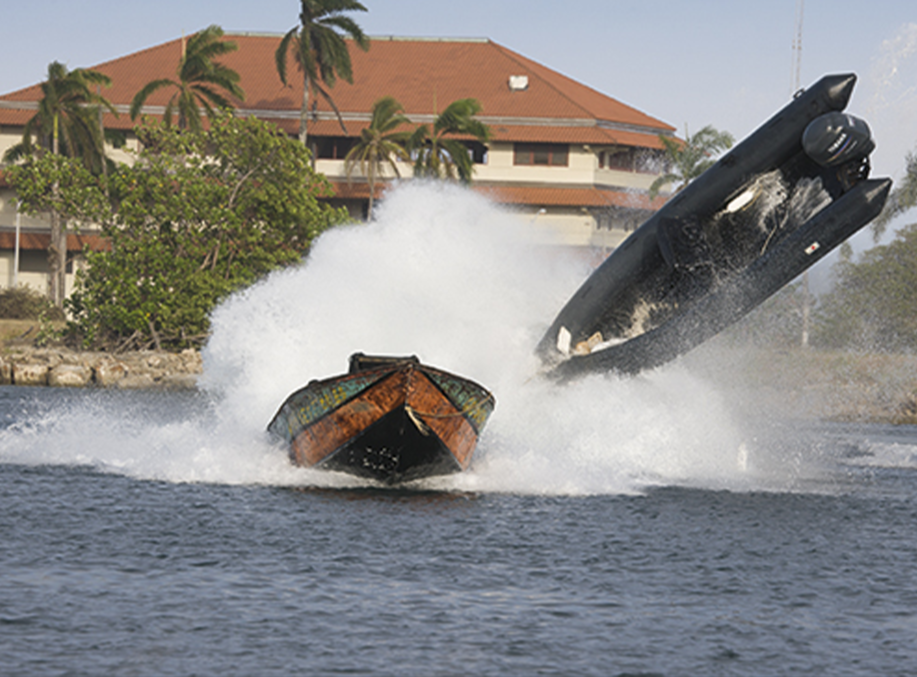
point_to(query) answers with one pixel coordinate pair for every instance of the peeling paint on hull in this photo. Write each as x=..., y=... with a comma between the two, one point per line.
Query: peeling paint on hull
x=388, y=419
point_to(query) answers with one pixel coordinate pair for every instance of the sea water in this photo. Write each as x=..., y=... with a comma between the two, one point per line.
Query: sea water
x=606, y=527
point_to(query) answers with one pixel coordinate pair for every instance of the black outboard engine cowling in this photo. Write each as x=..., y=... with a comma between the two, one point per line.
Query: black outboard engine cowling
x=836, y=138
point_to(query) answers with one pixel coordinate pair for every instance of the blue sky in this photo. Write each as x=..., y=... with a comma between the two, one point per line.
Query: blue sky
x=725, y=63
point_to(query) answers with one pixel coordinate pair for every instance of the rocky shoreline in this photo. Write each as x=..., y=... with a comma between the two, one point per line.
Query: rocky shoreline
x=30, y=366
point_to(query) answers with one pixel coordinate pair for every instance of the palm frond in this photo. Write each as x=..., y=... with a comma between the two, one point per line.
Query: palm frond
x=280, y=55
x=199, y=78
x=207, y=96
x=333, y=105
x=141, y=96
x=319, y=49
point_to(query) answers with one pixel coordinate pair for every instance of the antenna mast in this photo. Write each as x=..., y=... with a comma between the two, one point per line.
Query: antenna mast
x=797, y=46
x=797, y=70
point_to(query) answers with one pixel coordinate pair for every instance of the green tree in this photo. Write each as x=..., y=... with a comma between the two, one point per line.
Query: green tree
x=380, y=144
x=198, y=82
x=68, y=121
x=690, y=158
x=873, y=304
x=438, y=154
x=320, y=51
x=901, y=199
x=199, y=215
x=56, y=183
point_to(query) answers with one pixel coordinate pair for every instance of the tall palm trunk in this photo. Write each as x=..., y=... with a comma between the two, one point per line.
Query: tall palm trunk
x=304, y=113
x=57, y=249
x=372, y=191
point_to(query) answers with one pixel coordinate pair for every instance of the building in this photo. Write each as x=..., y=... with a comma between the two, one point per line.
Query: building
x=576, y=164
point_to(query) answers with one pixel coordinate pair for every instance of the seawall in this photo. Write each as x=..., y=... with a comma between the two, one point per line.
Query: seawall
x=21, y=363
x=29, y=366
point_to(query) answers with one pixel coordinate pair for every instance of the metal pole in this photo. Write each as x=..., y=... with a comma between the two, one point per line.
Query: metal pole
x=797, y=58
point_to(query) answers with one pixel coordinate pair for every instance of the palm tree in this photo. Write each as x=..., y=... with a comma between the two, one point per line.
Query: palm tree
x=68, y=122
x=691, y=158
x=199, y=79
x=379, y=145
x=439, y=156
x=320, y=51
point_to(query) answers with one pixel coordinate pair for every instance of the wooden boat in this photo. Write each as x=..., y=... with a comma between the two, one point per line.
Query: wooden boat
x=771, y=207
x=391, y=419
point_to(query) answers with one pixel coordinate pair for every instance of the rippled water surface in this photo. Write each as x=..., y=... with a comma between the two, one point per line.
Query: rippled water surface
x=105, y=571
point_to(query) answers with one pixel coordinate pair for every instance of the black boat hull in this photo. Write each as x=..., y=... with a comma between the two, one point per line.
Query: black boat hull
x=713, y=313
x=720, y=246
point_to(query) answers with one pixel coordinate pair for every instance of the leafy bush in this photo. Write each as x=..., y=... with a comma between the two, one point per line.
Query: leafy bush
x=873, y=305
x=196, y=217
x=24, y=303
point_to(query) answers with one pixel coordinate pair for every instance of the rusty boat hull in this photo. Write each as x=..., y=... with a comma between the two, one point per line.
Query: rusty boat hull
x=389, y=419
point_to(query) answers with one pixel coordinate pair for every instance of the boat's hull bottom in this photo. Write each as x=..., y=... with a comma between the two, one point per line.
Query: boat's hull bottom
x=396, y=448
x=745, y=291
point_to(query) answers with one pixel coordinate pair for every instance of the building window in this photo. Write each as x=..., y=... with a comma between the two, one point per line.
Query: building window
x=477, y=151
x=543, y=154
x=332, y=147
x=650, y=161
x=640, y=160
x=621, y=158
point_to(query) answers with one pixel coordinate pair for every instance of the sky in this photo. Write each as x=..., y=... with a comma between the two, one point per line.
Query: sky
x=726, y=63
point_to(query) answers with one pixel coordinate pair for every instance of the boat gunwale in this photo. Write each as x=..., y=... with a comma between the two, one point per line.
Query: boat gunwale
x=383, y=373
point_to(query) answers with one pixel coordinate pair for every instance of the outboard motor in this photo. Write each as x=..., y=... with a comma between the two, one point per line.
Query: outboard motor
x=843, y=141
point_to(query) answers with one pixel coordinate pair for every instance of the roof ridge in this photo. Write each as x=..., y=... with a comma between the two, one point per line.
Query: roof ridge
x=512, y=56
x=535, y=66
x=408, y=38
x=380, y=38
x=139, y=52
x=184, y=36
x=481, y=69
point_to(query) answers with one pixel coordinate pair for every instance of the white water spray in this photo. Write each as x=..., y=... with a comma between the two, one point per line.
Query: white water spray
x=447, y=276
x=891, y=93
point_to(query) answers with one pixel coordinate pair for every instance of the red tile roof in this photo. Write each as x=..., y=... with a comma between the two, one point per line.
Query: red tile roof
x=425, y=75
x=31, y=240
x=558, y=196
x=544, y=196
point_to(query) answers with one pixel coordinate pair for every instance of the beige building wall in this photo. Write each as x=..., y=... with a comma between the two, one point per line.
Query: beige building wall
x=32, y=271
x=550, y=225
x=568, y=227
x=33, y=264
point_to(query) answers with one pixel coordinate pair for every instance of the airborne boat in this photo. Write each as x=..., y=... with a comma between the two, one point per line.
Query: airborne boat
x=765, y=212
